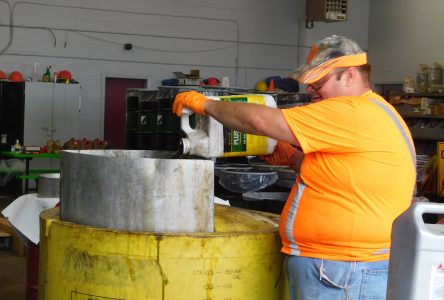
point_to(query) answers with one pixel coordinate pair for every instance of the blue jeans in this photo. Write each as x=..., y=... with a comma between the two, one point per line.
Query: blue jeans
x=312, y=278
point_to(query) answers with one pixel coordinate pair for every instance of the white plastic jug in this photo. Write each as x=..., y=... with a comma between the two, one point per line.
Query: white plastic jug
x=416, y=268
x=210, y=138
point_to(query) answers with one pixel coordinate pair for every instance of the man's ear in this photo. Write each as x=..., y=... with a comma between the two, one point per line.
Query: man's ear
x=350, y=76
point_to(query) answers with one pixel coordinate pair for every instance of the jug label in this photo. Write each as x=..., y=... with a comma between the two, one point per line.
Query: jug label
x=437, y=283
x=237, y=143
x=234, y=141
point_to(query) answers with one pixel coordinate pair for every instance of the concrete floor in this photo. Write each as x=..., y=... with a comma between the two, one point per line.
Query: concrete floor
x=12, y=269
x=12, y=276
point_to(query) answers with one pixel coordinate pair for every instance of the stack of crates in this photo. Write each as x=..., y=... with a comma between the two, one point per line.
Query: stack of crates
x=150, y=121
x=132, y=118
x=168, y=124
x=147, y=121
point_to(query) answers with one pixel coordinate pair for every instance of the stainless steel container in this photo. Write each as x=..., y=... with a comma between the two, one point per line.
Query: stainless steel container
x=137, y=190
x=49, y=185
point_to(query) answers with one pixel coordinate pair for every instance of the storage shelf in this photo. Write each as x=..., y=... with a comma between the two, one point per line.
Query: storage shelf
x=430, y=134
x=417, y=116
x=426, y=95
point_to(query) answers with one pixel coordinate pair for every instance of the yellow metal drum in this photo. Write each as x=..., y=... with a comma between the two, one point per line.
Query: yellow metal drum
x=240, y=260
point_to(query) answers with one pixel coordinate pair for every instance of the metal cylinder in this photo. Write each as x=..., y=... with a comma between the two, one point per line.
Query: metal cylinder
x=137, y=190
x=49, y=185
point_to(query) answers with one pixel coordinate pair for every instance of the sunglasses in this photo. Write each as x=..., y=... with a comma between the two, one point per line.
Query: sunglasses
x=320, y=83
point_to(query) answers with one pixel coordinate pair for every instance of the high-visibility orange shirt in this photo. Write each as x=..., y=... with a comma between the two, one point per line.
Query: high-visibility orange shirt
x=357, y=176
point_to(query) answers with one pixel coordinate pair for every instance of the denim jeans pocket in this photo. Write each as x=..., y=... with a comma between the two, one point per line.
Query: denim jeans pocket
x=335, y=274
x=374, y=285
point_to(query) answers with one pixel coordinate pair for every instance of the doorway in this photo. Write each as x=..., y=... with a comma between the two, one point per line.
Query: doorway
x=115, y=108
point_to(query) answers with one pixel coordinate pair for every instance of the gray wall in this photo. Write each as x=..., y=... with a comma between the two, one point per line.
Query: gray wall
x=245, y=40
x=404, y=34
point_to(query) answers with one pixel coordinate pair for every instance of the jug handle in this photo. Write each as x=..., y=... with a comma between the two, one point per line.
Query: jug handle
x=186, y=128
x=185, y=121
x=421, y=208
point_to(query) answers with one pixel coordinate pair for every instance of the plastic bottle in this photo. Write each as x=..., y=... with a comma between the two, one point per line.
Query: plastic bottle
x=409, y=85
x=35, y=72
x=422, y=78
x=4, y=141
x=416, y=267
x=17, y=146
x=434, y=74
x=47, y=76
x=211, y=139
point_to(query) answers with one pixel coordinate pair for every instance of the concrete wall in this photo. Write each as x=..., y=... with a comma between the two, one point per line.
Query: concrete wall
x=404, y=34
x=245, y=40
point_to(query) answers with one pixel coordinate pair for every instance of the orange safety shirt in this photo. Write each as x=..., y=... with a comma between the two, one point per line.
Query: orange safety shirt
x=357, y=176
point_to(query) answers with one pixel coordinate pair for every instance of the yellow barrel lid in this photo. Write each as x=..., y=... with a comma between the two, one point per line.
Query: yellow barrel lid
x=227, y=219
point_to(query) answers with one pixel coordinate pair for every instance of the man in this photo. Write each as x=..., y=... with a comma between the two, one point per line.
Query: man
x=356, y=177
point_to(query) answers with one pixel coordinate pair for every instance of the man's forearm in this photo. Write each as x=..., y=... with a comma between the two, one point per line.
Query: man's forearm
x=239, y=116
x=251, y=118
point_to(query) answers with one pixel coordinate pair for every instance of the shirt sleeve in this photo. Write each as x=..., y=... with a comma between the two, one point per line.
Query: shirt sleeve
x=330, y=125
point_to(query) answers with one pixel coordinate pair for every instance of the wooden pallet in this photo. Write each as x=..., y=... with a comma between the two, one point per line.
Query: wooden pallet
x=18, y=243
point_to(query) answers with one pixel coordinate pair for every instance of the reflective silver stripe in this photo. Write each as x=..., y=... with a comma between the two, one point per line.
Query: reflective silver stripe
x=289, y=224
x=382, y=251
x=401, y=130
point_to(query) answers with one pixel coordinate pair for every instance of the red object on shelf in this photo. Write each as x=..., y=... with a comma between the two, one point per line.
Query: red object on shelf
x=271, y=87
x=64, y=74
x=16, y=76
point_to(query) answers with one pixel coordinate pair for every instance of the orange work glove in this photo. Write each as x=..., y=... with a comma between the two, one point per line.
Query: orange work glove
x=296, y=161
x=281, y=154
x=192, y=100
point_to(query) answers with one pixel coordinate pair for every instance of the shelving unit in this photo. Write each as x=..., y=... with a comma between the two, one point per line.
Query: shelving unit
x=427, y=131
x=425, y=127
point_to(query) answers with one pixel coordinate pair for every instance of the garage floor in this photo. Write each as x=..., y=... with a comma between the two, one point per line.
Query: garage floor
x=12, y=269
x=12, y=276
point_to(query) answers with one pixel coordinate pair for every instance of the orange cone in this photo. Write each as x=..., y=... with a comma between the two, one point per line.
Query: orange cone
x=271, y=86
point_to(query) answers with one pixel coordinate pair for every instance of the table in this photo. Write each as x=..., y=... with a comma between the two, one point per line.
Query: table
x=28, y=157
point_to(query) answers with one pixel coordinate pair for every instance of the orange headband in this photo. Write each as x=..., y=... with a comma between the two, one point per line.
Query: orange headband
x=326, y=67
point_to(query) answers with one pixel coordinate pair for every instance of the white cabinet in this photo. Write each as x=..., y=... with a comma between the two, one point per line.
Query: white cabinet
x=66, y=112
x=51, y=112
